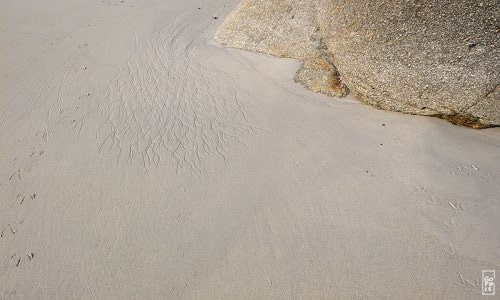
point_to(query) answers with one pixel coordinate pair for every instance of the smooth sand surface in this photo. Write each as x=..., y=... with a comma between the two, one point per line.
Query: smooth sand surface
x=140, y=160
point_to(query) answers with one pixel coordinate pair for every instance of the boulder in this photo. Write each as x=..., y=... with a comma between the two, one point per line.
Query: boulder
x=436, y=58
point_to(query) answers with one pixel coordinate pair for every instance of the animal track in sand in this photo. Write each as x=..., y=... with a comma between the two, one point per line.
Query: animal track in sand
x=422, y=191
x=37, y=153
x=44, y=134
x=21, y=198
x=431, y=198
x=441, y=202
x=17, y=259
x=468, y=285
x=167, y=103
x=19, y=174
x=11, y=229
x=469, y=170
x=456, y=205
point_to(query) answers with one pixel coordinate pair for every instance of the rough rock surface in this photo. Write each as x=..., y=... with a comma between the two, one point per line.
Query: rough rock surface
x=284, y=29
x=438, y=58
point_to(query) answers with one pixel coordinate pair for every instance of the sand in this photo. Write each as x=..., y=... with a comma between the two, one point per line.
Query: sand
x=141, y=160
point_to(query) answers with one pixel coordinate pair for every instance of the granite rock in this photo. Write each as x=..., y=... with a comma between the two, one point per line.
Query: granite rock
x=437, y=58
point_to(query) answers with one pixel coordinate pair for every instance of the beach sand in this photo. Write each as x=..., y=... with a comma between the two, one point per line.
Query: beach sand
x=141, y=160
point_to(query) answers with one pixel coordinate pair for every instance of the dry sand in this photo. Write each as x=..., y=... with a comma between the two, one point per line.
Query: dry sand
x=140, y=160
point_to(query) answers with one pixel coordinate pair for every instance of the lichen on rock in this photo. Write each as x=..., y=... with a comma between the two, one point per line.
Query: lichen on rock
x=320, y=75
